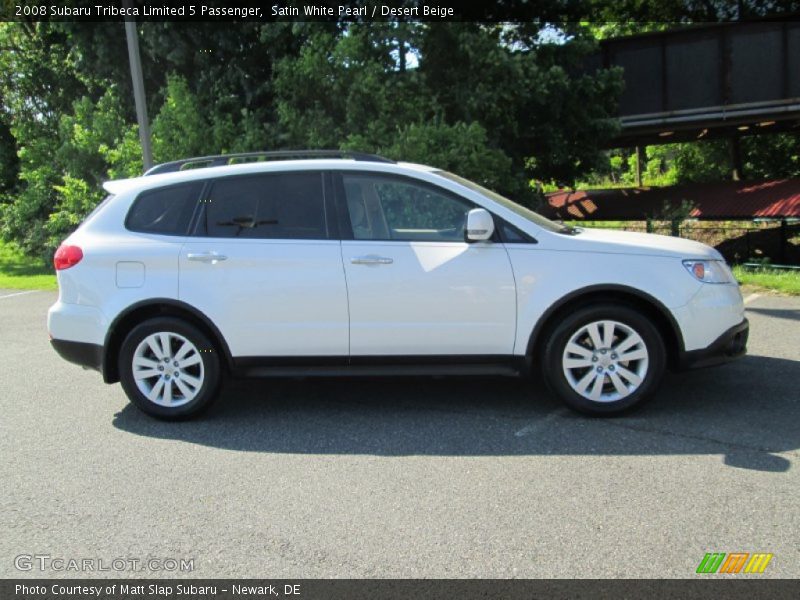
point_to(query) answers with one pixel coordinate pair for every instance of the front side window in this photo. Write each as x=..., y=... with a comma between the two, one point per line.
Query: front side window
x=386, y=208
x=269, y=206
x=166, y=211
x=505, y=202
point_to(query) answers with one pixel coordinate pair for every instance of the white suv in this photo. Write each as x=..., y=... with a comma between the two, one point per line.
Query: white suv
x=328, y=263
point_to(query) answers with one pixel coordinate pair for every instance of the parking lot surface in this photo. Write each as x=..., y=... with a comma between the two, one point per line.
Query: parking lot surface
x=416, y=477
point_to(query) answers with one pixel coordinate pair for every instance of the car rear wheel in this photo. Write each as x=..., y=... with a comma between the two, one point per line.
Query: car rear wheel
x=604, y=359
x=168, y=368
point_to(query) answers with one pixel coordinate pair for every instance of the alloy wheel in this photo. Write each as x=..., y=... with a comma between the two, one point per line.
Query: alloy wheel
x=605, y=361
x=168, y=369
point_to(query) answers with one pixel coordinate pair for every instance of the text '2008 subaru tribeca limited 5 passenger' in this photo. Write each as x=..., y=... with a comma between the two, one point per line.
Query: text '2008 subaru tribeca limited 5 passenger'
x=354, y=264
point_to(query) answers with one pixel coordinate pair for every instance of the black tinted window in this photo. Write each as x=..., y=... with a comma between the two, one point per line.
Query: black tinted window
x=166, y=210
x=511, y=235
x=272, y=206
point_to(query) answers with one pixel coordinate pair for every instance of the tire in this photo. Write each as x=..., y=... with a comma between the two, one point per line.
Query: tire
x=589, y=374
x=179, y=388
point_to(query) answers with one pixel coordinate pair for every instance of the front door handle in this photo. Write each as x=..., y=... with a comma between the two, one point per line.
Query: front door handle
x=206, y=257
x=371, y=260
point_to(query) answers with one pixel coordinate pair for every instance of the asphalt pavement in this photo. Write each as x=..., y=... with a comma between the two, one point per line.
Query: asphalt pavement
x=417, y=477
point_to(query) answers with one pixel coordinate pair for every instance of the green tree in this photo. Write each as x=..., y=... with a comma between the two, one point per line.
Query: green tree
x=461, y=147
x=348, y=87
x=61, y=177
x=771, y=156
x=532, y=97
x=346, y=83
x=495, y=103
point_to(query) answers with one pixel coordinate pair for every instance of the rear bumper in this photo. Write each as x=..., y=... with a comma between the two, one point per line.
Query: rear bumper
x=89, y=356
x=729, y=346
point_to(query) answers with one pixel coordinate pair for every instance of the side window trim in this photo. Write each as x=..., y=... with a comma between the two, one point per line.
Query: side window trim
x=198, y=222
x=329, y=200
x=340, y=200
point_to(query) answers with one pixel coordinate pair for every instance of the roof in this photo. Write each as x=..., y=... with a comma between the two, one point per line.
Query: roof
x=119, y=186
x=779, y=198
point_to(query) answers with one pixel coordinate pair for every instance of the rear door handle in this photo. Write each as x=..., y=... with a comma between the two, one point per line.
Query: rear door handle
x=371, y=260
x=206, y=257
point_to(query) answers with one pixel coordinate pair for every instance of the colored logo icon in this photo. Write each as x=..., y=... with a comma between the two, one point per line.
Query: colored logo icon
x=735, y=562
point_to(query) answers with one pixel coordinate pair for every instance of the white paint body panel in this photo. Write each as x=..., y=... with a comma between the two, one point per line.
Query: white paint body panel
x=702, y=311
x=270, y=297
x=434, y=298
x=89, y=298
x=714, y=309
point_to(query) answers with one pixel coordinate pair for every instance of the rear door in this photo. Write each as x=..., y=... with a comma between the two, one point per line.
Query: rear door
x=266, y=267
x=416, y=288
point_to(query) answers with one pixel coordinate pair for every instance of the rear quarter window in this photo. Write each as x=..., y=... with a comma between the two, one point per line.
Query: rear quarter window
x=166, y=211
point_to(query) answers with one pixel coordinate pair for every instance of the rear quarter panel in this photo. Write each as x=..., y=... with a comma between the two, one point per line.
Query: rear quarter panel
x=118, y=269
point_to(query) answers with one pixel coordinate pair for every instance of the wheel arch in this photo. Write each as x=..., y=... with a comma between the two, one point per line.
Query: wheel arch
x=149, y=309
x=660, y=315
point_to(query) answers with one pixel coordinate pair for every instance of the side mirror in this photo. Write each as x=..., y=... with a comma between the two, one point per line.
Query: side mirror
x=480, y=225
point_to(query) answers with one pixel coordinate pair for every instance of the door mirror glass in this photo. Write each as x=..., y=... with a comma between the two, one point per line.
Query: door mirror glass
x=480, y=225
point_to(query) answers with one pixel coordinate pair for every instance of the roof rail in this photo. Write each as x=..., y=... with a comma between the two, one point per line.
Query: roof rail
x=218, y=160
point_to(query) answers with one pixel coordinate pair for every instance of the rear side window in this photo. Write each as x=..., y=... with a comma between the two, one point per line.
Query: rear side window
x=269, y=206
x=167, y=211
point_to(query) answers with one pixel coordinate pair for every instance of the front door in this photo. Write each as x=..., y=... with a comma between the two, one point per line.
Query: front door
x=415, y=287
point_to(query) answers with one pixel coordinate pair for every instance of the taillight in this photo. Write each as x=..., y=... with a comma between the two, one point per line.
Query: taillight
x=66, y=257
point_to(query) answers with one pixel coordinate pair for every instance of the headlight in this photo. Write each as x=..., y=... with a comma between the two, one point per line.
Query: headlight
x=709, y=271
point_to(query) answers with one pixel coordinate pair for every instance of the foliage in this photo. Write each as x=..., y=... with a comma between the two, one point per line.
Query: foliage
x=527, y=98
x=772, y=156
x=460, y=147
x=502, y=104
x=61, y=174
x=491, y=102
x=180, y=129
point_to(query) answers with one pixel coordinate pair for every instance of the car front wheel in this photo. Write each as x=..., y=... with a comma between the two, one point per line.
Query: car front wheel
x=169, y=369
x=604, y=359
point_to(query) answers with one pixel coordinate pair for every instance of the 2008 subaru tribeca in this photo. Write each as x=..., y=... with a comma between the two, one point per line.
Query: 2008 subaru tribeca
x=326, y=263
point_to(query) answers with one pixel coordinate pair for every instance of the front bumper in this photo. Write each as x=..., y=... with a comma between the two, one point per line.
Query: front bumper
x=89, y=356
x=729, y=346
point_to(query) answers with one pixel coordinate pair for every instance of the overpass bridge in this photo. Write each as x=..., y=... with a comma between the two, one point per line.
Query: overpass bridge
x=704, y=82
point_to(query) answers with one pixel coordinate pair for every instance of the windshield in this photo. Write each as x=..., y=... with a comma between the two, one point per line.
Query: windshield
x=523, y=212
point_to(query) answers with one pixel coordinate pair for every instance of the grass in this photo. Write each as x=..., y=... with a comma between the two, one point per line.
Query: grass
x=783, y=282
x=18, y=272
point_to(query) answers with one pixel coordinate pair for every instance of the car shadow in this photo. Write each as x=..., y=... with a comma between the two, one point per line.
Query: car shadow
x=780, y=313
x=747, y=411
